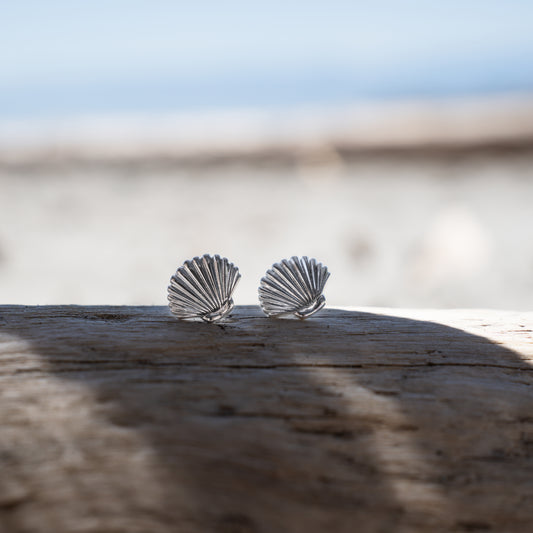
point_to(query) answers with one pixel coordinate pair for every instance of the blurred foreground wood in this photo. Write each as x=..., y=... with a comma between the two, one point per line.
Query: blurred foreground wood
x=122, y=419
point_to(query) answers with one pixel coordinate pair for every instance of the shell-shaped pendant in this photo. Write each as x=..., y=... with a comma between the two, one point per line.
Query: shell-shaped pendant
x=294, y=286
x=202, y=288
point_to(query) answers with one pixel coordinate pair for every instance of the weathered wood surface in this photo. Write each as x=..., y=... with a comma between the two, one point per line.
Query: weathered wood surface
x=122, y=419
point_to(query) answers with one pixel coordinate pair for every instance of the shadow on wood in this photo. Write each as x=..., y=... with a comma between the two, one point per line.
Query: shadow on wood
x=122, y=419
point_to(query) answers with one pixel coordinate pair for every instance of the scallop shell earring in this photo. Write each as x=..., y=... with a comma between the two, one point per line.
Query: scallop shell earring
x=202, y=288
x=294, y=286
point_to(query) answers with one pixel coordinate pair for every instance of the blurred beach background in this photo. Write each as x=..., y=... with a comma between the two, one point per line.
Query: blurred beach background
x=393, y=141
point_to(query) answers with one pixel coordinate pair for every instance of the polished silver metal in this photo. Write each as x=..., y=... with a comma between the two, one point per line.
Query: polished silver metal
x=293, y=286
x=202, y=288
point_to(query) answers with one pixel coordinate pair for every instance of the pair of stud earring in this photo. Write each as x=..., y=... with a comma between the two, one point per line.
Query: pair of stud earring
x=202, y=288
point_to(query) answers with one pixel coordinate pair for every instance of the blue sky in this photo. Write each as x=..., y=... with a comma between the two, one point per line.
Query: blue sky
x=67, y=57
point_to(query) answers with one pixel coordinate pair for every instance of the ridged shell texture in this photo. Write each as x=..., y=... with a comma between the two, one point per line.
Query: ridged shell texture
x=202, y=288
x=294, y=286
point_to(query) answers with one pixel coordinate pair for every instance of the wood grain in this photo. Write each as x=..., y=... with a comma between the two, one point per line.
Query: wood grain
x=123, y=419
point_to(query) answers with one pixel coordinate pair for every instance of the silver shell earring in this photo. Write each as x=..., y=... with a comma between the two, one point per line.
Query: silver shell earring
x=293, y=286
x=202, y=288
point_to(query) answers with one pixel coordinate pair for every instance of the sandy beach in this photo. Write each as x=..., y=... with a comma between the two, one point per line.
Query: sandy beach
x=432, y=224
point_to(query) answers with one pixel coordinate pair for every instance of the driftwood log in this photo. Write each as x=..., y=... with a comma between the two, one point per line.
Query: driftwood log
x=123, y=419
